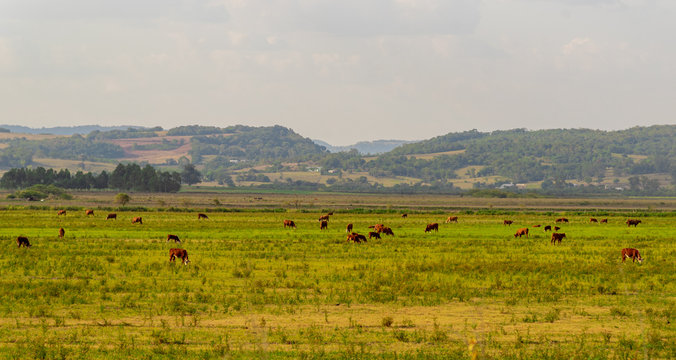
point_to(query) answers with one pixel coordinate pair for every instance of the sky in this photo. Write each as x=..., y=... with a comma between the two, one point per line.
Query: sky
x=340, y=71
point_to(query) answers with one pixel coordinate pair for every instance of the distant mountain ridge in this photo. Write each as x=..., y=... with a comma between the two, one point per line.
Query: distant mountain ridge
x=374, y=147
x=66, y=130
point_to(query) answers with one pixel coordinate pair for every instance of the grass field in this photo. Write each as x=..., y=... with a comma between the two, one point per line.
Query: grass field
x=256, y=290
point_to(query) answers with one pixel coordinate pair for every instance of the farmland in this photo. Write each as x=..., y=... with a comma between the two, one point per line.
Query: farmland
x=254, y=289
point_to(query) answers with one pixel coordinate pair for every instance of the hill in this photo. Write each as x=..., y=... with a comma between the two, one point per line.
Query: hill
x=66, y=130
x=374, y=147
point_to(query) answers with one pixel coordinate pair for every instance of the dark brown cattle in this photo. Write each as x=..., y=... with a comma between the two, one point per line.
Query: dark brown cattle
x=289, y=223
x=61, y=212
x=356, y=237
x=387, y=231
x=507, y=222
x=521, y=232
x=201, y=216
x=538, y=225
x=562, y=220
x=324, y=218
x=604, y=221
x=548, y=228
x=173, y=237
x=111, y=216
x=137, y=219
x=631, y=222
x=179, y=253
x=557, y=237
x=452, y=219
x=631, y=253
x=432, y=226
x=89, y=212
x=331, y=213
x=374, y=235
x=593, y=220
x=404, y=215
x=349, y=228
x=62, y=232
x=323, y=225
x=556, y=228
x=22, y=240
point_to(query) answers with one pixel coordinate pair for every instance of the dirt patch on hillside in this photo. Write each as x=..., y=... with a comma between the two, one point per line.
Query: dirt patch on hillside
x=153, y=156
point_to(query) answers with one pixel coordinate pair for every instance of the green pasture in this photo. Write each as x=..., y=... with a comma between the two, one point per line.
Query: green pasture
x=256, y=290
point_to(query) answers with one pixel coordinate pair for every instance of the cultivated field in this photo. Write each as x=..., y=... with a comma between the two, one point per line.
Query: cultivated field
x=256, y=290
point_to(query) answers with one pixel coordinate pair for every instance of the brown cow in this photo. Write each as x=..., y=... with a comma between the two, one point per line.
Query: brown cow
x=604, y=221
x=557, y=237
x=631, y=253
x=563, y=219
x=374, y=235
x=356, y=237
x=556, y=228
x=452, y=219
x=521, y=232
x=324, y=218
x=201, y=216
x=432, y=226
x=22, y=240
x=349, y=228
x=323, y=225
x=137, y=219
x=387, y=231
x=377, y=227
x=111, y=216
x=61, y=212
x=548, y=227
x=173, y=237
x=289, y=223
x=404, y=215
x=179, y=253
x=89, y=212
x=593, y=220
x=538, y=225
x=507, y=222
x=631, y=222
x=62, y=232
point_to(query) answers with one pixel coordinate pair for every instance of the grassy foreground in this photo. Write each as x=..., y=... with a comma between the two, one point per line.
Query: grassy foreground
x=256, y=290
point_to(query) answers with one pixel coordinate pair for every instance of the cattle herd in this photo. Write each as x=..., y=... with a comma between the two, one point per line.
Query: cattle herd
x=378, y=229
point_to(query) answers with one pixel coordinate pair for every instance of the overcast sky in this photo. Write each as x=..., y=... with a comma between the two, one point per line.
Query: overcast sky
x=340, y=71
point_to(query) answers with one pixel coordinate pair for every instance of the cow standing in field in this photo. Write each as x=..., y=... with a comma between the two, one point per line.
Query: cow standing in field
x=387, y=231
x=201, y=216
x=111, y=216
x=538, y=225
x=23, y=241
x=62, y=233
x=373, y=234
x=557, y=237
x=556, y=228
x=604, y=221
x=323, y=225
x=173, y=237
x=324, y=218
x=354, y=237
x=563, y=219
x=521, y=232
x=178, y=253
x=631, y=253
x=631, y=222
x=452, y=219
x=377, y=227
x=432, y=226
x=548, y=228
x=404, y=215
x=507, y=222
x=349, y=228
x=593, y=220
x=89, y=212
x=289, y=223
x=137, y=219
x=61, y=212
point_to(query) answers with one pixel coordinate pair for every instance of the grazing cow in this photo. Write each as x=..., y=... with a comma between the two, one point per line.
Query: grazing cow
x=61, y=212
x=507, y=222
x=201, y=216
x=137, y=219
x=404, y=215
x=548, y=228
x=604, y=221
x=349, y=228
x=22, y=240
x=593, y=220
x=289, y=223
x=562, y=220
x=432, y=226
x=452, y=219
x=387, y=231
x=374, y=235
x=356, y=237
x=173, y=237
x=324, y=218
x=323, y=225
x=557, y=237
x=521, y=232
x=89, y=212
x=556, y=228
x=377, y=227
x=111, y=216
x=631, y=222
x=631, y=253
x=538, y=225
x=62, y=232
x=179, y=253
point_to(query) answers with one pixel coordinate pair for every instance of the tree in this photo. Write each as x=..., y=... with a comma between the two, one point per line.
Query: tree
x=122, y=198
x=190, y=175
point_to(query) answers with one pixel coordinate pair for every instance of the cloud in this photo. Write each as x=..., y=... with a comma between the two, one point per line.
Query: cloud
x=580, y=45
